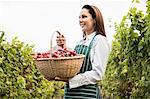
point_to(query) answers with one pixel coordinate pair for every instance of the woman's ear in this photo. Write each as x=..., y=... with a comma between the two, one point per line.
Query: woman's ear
x=94, y=24
x=94, y=21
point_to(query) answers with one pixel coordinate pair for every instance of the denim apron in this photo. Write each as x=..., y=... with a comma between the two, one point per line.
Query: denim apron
x=90, y=91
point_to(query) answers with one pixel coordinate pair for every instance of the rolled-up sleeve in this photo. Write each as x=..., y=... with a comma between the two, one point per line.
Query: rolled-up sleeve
x=99, y=56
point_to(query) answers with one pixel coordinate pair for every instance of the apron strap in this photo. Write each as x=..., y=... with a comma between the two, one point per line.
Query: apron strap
x=91, y=43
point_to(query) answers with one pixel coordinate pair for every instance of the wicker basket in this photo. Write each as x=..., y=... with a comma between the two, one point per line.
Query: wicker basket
x=59, y=67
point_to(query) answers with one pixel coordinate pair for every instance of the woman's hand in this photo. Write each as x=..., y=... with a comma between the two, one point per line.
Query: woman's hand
x=59, y=79
x=61, y=41
x=62, y=79
x=50, y=79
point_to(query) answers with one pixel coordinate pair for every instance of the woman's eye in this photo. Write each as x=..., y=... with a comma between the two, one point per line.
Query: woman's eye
x=83, y=16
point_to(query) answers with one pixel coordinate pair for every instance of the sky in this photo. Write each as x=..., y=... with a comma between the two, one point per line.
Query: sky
x=34, y=21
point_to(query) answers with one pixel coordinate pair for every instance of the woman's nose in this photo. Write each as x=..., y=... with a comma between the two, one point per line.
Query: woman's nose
x=80, y=20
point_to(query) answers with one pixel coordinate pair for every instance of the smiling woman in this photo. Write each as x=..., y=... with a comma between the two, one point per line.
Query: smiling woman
x=94, y=46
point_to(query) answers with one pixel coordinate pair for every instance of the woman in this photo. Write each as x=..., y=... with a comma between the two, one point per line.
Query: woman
x=96, y=49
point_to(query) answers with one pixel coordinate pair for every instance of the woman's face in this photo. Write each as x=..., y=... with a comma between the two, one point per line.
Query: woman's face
x=86, y=21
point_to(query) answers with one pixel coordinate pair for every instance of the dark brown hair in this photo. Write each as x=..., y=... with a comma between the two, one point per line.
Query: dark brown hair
x=96, y=14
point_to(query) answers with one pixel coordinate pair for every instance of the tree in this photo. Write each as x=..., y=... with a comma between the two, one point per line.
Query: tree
x=19, y=77
x=128, y=71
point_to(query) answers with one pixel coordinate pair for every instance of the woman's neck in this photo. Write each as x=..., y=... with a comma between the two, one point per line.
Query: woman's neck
x=88, y=33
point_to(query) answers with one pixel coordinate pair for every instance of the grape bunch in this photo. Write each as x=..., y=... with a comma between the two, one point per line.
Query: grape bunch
x=56, y=54
x=64, y=53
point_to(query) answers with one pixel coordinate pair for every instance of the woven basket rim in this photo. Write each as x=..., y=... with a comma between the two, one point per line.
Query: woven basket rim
x=61, y=58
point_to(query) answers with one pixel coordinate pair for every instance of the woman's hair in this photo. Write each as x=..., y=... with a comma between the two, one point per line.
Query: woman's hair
x=96, y=14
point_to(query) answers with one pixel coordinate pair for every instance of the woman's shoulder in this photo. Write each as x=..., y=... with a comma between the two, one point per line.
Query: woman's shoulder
x=100, y=38
x=101, y=41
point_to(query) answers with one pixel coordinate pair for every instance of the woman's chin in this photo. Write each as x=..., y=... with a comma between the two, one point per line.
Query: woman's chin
x=83, y=29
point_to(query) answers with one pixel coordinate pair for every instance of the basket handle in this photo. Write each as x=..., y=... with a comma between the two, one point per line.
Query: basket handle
x=52, y=39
